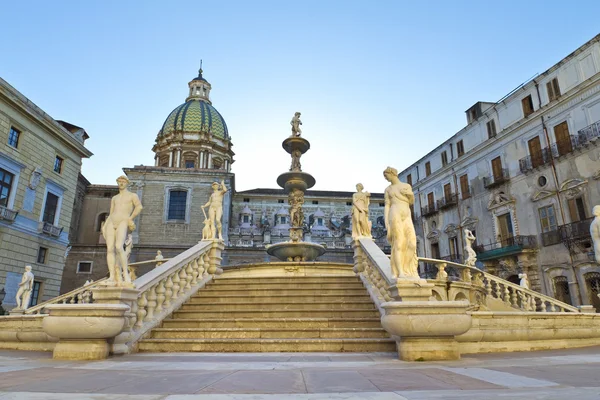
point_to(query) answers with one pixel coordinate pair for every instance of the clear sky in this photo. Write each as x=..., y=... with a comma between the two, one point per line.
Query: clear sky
x=378, y=82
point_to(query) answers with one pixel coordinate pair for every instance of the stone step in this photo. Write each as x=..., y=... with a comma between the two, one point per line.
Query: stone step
x=237, y=297
x=281, y=305
x=267, y=333
x=289, y=313
x=282, y=292
x=300, y=279
x=286, y=285
x=290, y=323
x=268, y=345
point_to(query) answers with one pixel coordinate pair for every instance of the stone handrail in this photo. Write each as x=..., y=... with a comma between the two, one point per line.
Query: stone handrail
x=373, y=267
x=81, y=295
x=510, y=293
x=133, y=266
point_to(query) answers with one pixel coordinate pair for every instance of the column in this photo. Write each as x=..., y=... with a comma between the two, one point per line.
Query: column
x=156, y=158
x=170, y=158
x=178, y=163
x=201, y=164
x=209, y=165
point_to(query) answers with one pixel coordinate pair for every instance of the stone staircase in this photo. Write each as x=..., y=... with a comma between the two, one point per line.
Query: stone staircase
x=274, y=314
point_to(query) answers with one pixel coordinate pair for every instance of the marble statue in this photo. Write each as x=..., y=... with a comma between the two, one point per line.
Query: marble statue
x=295, y=122
x=595, y=232
x=159, y=258
x=400, y=230
x=471, y=255
x=296, y=200
x=524, y=281
x=23, y=296
x=124, y=207
x=296, y=166
x=361, y=226
x=35, y=178
x=215, y=211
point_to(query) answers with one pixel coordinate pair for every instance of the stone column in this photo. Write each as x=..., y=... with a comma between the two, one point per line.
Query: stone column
x=208, y=164
x=171, y=158
x=178, y=162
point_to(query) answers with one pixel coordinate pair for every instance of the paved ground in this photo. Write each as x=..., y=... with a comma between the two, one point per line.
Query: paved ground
x=557, y=375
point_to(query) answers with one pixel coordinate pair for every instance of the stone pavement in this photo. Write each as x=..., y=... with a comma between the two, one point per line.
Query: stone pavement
x=301, y=376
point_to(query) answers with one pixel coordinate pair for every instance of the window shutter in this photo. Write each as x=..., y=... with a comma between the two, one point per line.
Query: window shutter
x=573, y=210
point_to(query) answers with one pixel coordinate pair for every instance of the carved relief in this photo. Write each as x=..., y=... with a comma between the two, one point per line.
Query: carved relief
x=433, y=236
x=451, y=230
x=572, y=187
x=541, y=194
x=499, y=199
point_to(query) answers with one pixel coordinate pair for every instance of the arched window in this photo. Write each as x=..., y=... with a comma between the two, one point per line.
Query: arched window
x=592, y=282
x=561, y=289
x=101, y=218
x=177, y=205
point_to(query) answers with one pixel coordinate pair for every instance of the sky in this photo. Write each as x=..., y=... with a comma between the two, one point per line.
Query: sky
x=378, y=83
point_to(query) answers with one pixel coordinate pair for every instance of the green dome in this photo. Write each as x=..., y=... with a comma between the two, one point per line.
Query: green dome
x=195, y=115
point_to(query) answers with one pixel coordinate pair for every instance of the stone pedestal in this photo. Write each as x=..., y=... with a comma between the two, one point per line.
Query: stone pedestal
x=83, y=330
x=426, y=330
x=124, y=296
x=411, y=290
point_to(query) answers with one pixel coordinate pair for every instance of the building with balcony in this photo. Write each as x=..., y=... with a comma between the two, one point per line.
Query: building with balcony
x=40, y=163
x=526, y=174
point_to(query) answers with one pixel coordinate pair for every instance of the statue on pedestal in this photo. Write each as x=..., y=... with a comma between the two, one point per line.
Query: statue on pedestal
x=471, y=255
x=215, y=212
x=295, y=122
x=23, y=296
x=595, y=232
x=524, y=281
x=400, y=230
x=124, y=207
x=361, y=226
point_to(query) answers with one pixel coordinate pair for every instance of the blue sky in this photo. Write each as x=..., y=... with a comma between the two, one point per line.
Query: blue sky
x=378, y=83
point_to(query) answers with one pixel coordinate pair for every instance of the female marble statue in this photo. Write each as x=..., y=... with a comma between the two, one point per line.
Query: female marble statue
x=471, y=255
x=400, y=230
x=361, y=227
x=595, y=232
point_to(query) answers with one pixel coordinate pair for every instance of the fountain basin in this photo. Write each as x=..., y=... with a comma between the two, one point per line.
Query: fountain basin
x=296, y=251
x=295, y=180
x=296, y=143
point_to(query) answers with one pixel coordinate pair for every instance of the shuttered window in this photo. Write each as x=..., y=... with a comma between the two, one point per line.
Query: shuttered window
x=553, y=89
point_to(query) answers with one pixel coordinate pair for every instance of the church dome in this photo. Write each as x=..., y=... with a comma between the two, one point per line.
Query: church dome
x=195, y=116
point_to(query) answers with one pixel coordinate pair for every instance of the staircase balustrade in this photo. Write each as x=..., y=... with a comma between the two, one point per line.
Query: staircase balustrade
x=81, y=295
x=373, y=266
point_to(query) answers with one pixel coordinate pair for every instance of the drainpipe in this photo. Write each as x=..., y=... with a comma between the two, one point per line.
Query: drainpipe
x=458, y=203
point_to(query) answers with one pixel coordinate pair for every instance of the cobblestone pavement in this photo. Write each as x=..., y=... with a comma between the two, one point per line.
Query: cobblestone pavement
x=302, y=376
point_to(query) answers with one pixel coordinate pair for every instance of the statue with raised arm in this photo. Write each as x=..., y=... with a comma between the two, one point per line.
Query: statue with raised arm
x=215, y=211
x=595, y=232
x=361, y=226
x=124, y=207
x=471, y=255
x=23, y=296
x=400, y=230
x=295, y=122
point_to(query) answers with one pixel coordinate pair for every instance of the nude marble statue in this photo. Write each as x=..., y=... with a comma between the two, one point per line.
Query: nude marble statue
x=215, y=210
x=524, y=281
x=23, y=296
x=595, y=232
x=295, y=122
x=361, y=226
x=124, y=207
x=471, y=255
x=400, y=230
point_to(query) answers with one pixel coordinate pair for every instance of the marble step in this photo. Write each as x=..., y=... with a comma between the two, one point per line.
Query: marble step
x=283, y=292
x=286, y=285
x=241, y=297
x=267, y=333
x=301, y=279
x=295, y=323
x=289, y=313
x=267, y=345
x=251, y=303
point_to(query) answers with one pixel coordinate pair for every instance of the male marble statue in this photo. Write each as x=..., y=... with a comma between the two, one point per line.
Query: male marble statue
x=25, y=287
x=295, y=122
x=471, y=255
x=595, y=232
x=124, y=207
x=215, y=209
x=361, y=226
x=400, y=230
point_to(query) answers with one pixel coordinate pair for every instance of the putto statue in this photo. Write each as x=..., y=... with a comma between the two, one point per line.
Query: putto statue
x=471, y=255
x=295, y=122
x=595, y=232
x=400, y=230
x=124, y=207
x=215, y=212
x=361, y=226
x=23, y=296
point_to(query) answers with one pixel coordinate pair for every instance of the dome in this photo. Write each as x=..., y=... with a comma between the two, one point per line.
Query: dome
x=195, y=116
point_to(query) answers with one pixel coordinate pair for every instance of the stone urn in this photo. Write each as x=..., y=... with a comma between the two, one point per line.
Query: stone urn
x=426, y=330
x=83, y=329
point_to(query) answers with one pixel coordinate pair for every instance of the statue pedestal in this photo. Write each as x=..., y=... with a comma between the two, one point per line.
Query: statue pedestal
x=414, y=289
x=124, y=296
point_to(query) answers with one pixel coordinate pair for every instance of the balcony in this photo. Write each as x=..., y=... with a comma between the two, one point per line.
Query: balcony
x=49, y=229
x=591, y=132
x=573, y=142
x=429, y=210
x=448, y=201
x=573, y=232
x=510, y=246
x=7, y=214
x=535, y=160
x=496, y=179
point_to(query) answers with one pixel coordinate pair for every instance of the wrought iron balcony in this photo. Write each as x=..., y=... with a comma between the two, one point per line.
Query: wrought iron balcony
x=591, y=132
x=428, y=210
x=575, y=231
x=7, y=214
x=49, y=229
x=535, y=160
x=510, y=246
x=572, y=143
x=448, y=201
x=496, y=179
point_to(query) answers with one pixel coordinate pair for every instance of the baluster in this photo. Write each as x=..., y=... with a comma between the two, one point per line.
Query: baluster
x=176, y=285
x=151, y=303
x=189, y=271
x=72, y=300
x=442, y=275
x=195, y=271
x=552, y=308
x=160, y=296
x=466, y=275
x=488, y=287
x=498, y=290
x=506, y=293
x=513, y=297
x=206, y=263
x=142, y=302
x=532, y=303
x=183, y=280
x=543, y=306
x=168, y=291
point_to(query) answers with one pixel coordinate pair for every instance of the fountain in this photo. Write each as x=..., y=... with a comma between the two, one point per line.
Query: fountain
x=296, y=182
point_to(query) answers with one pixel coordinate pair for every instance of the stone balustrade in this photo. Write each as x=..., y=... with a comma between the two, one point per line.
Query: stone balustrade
x=82, y=295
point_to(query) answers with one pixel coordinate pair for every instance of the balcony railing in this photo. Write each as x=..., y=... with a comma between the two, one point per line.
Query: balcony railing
x=49, y=229
x=535, y=160
x=591, y=132
x=8, y=214
x=447, y=201
x=575, y=231
x=428, y=210
x=508, y=246
x=496, y=179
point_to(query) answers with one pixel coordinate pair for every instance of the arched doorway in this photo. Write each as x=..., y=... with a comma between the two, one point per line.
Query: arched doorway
x=592, y=284
x=514, y=279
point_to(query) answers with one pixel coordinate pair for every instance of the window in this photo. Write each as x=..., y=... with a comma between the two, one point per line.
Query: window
x=563, y=138
x=460, y=148
x=35, y=293
x=527, y=104
x=101, y=218
x=246, y=200
x=464, y=186
x=50, y=208
x=283, y=220
x=430, y=200
x=58, y=164
x=84, y=267
x=348, y=203
x=42, y=253
x=453, y=246
x=577, y=209
x=315, y=202
x=553, y=89
x=444, y=158
x=535, y=151
x=280, y=201
x=246, y=219
x=13, y=137
x=6, y=181
x=448, y=192
x=427, y=168
x=381, y=204
x=562, y=291
x=547, y=218
x=497, y=169
x=190, y=164
x=409, y=179
x=177, y=204
x=319, y=221
x=491, y=128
